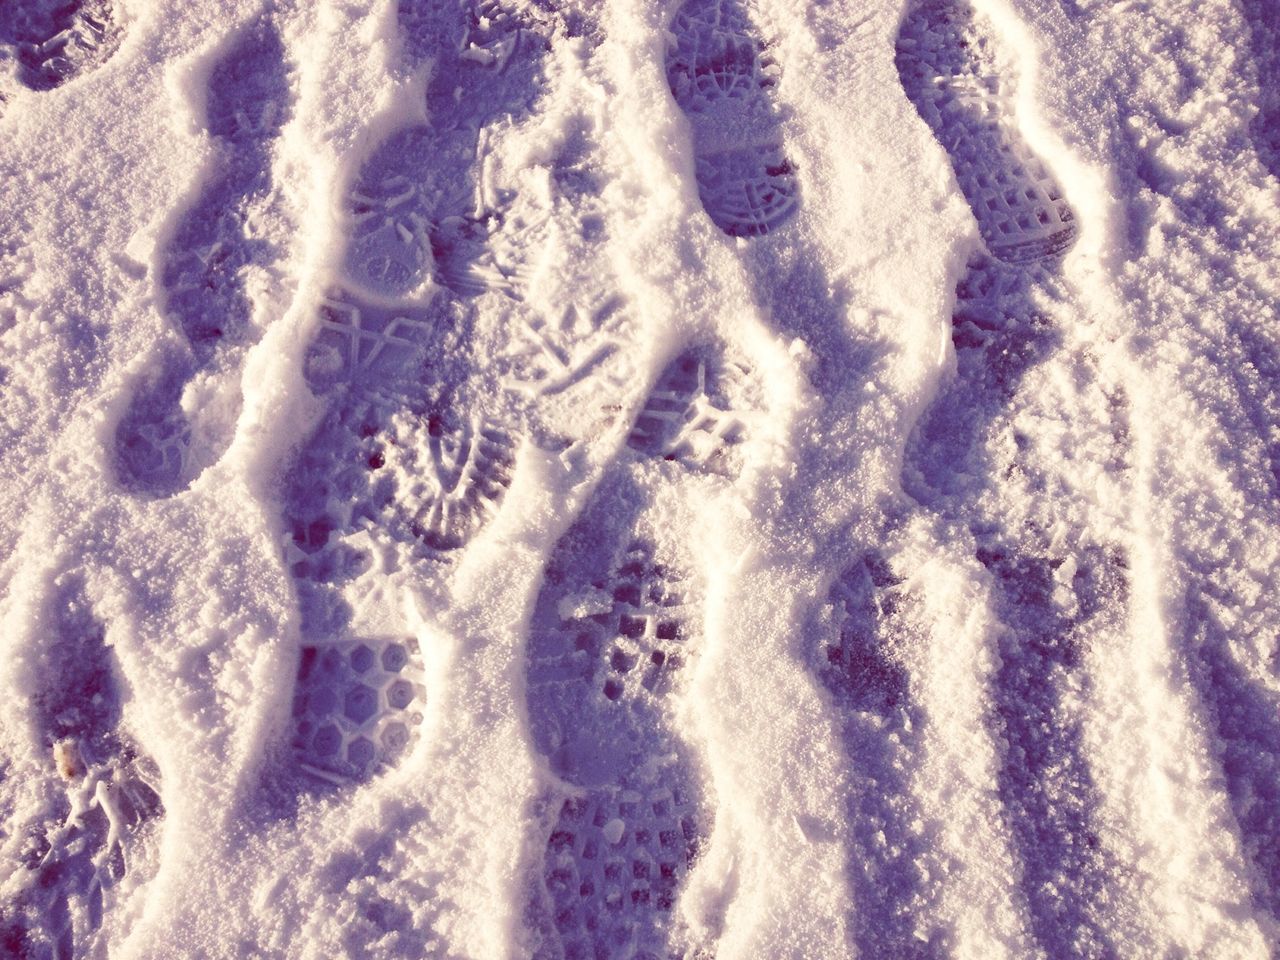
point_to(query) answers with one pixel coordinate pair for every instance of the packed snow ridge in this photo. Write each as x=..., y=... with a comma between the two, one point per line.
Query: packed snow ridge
x=639, y=479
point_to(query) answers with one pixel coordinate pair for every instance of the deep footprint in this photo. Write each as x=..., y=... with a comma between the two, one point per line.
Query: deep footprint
x=407, y=464
x=953, y=73
x=615, y=628
x=55, y=41
x=689, y=416
x=722, y=78
x=203, y=273
x=108, y=808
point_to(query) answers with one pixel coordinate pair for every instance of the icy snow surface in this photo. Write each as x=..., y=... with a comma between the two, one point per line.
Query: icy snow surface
x=639, y=479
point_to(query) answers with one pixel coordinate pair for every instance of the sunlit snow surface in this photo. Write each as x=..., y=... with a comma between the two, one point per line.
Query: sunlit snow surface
x=637, y=479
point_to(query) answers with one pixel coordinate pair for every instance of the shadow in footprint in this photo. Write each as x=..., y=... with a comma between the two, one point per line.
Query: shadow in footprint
x=407, y=463
x=1048, y=601
x=614, y=629
x=722, y=78
x=105, y=802
x=950, y=70
x=56, y=40
x=203, y=272
x=1247, y=728
x=1263, y=17
x=881, y=727
x=1045, y=784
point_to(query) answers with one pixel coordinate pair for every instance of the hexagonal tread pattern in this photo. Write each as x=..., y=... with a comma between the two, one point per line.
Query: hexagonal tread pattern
x=358, y=706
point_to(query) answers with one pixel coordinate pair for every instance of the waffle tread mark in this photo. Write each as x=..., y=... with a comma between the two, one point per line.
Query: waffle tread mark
x=56, y=41
x=722, y=77
x=357, y=706
x=615, y=865
x=609, y=670
x=604, y=660
x=203, y=273
x=952, y=72
x=106, y=806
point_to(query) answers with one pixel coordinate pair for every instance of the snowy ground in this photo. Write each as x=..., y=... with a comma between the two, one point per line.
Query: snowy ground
x=624, y=478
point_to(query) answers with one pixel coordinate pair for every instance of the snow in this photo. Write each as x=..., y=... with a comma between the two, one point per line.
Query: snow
x=618, y=479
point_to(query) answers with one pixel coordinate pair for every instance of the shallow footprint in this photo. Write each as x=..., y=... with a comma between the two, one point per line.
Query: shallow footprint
x=862, y=664
x=955, y=76
x=203, y=273
x=106, y=806
x=615, y=626
x=417, y=210
x=721, y=77
x=55, y=41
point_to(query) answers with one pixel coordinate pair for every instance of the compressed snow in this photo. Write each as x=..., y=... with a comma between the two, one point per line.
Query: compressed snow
x=751, y=478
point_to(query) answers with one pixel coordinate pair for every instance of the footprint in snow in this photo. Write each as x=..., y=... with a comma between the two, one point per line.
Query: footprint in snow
x=203, y=273
x=45, y=43
x=954, y=74
x=723, y=78
x=862, y=665
x=101, y=828
x=615, y=629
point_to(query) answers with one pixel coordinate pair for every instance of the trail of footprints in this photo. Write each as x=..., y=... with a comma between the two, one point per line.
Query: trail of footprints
x=100, y=827
x=409, y=461
x=406, y=460
x=1049, y=602
x=204, y=273
x=604, y=679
